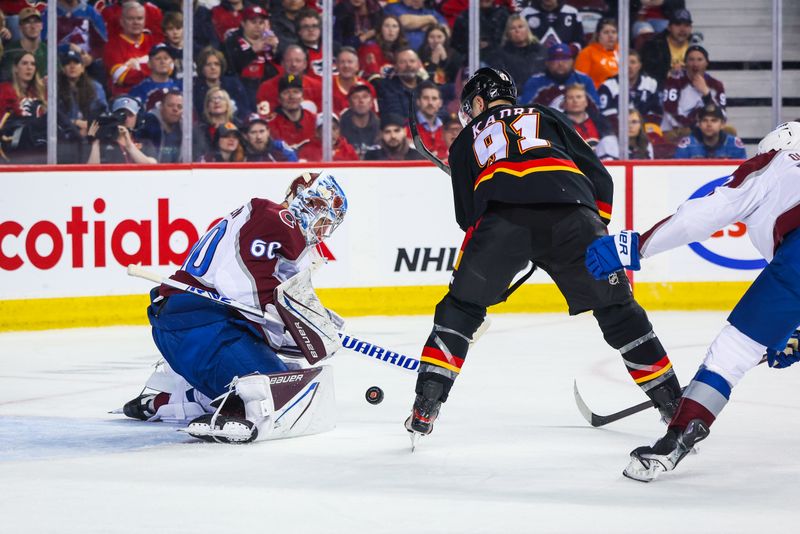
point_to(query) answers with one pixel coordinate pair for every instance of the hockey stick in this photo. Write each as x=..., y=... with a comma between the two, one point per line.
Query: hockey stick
x=368, y=349
x=601, y=420
x=418, y=144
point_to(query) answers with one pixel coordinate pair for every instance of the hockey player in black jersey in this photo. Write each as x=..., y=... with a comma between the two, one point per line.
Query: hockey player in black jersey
x=526, y=187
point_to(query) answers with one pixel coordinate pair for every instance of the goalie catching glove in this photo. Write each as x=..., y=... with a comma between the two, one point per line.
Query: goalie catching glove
x=609, y=254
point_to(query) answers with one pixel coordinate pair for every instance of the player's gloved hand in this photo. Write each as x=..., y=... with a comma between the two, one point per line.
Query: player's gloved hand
x=611, y=253
x=785, y=358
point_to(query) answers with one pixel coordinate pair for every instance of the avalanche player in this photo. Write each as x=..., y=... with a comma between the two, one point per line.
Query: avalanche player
x=527, y=188
x=214, y=351
x=764, y=194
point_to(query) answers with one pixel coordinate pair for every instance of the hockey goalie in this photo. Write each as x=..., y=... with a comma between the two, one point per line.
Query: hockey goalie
x=237, y=377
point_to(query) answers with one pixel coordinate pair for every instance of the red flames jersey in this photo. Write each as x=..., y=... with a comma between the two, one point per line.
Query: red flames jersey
x=120, y=49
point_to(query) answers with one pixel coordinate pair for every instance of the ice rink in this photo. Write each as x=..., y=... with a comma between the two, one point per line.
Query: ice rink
x=510, y=453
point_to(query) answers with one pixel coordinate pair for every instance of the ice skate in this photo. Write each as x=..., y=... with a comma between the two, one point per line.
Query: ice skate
x=666, y=399
x=425, y=410
x=649, y=462
x=142, y=407
x=222, y=429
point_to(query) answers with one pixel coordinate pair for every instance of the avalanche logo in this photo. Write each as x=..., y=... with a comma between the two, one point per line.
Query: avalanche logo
x=713, y=257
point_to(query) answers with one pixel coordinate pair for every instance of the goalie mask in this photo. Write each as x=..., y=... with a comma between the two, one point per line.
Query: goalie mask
x=785, y=137
x=490, y=84
x=319, y=208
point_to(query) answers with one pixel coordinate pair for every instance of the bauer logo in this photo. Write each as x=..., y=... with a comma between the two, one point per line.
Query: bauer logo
x=724, y=248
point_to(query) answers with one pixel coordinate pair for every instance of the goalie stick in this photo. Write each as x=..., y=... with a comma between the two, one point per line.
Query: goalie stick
x=418, y=144
x=597, y=420
x=363, y=347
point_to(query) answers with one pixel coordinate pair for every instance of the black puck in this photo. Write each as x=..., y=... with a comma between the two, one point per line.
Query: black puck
x=374, y=395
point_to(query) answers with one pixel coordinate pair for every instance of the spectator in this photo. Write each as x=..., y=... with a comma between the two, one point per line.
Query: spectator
x=309, y=31
x=355, y=21
x=342, y=150
x=655, y=13
x=430, y=125
x=226, y=18
x=452, y=127
x=346, y=78
x=5, y=34
x=295, y=62
x=395, y=93
x=639, y=145
x=172, y=26
x=492, y=24
x=377, y=57
x=591, y=126
x=113, y=142
x=644, y=95
x=80, y=26
x=548, y=88
x=80, y=99
x=689, y=90
x=126, y=54
x=203, y=34
x=227, y=146
x=25, y=96
x=151, y=90
x=249, y=51
x=30, y=26
x=360, y=124
x=291, y=123
x=112, y=10
x=415, y=19
x=261, y=147
x=553, y=22
x=667, y=51
x=520, y=52
x=284, y=21
x=211, y=66
x=394, y=142
x=599, y=59
x=708, y=140
x=162, y=128
x=440, y=60
x=218, y=109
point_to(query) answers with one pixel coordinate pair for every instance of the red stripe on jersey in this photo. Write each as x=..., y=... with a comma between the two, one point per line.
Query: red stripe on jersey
x=750, y=166
x=654, y=368
x=785, y=223
x=436, y=354
x=524, y=167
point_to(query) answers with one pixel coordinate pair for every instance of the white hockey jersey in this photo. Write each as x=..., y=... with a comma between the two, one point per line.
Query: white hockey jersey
x=245, y=256
x=763, y=193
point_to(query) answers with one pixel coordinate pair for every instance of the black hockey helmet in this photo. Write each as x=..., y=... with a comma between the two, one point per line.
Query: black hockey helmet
x=490, y=84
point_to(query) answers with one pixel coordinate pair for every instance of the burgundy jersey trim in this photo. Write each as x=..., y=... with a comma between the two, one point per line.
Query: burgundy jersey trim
x=749, y=167
x=785, y=223
x=648, y=234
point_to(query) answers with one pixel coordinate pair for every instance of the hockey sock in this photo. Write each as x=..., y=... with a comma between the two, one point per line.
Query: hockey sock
x=446, y=347
x=704, y=398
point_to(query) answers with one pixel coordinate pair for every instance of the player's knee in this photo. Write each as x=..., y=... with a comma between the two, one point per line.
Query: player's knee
x=622, y=323
x=456, y=314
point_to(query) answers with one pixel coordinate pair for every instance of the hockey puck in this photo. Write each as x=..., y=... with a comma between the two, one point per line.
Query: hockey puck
x=374, y=395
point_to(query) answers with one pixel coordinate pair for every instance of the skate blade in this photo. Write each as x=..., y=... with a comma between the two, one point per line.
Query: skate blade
x=414, y=440
x=233, y=434
x=643, y=471
x=117, y=411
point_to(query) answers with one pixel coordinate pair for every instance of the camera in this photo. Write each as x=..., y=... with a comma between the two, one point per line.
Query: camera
x=109, y=124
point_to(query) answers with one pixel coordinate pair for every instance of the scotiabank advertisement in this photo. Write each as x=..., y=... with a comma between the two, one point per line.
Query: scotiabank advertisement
x=72, y=233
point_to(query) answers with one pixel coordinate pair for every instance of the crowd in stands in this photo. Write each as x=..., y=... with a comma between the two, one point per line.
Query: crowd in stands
x=257, y=77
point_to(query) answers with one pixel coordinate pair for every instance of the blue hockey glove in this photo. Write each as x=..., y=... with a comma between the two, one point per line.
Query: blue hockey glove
x=611, y=253
x=785, y=358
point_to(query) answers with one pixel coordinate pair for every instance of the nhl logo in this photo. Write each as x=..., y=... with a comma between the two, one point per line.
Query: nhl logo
x=613, y=279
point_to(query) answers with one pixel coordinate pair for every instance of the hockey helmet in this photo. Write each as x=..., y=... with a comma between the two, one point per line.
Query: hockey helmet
x=319, y=208
x=489, y=83
x=785, y=137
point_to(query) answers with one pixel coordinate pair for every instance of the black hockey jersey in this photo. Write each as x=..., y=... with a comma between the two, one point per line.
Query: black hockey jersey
x=525, y=155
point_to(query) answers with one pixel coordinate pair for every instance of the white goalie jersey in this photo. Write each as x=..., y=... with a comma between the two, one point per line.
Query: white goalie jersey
x=763, y=193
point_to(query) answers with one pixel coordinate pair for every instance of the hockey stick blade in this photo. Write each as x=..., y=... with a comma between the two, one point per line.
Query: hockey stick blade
x=600, y=420
x=418, y=144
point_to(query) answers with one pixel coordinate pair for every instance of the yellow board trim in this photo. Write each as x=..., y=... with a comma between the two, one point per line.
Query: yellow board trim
x=654, y=375
x=440, y=363
x=43, y=314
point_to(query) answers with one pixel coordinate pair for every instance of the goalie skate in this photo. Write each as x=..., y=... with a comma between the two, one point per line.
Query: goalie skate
x=647, y=463
x=222, y=429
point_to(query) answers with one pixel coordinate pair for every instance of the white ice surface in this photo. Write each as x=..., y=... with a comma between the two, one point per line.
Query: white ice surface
x=510, y=453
